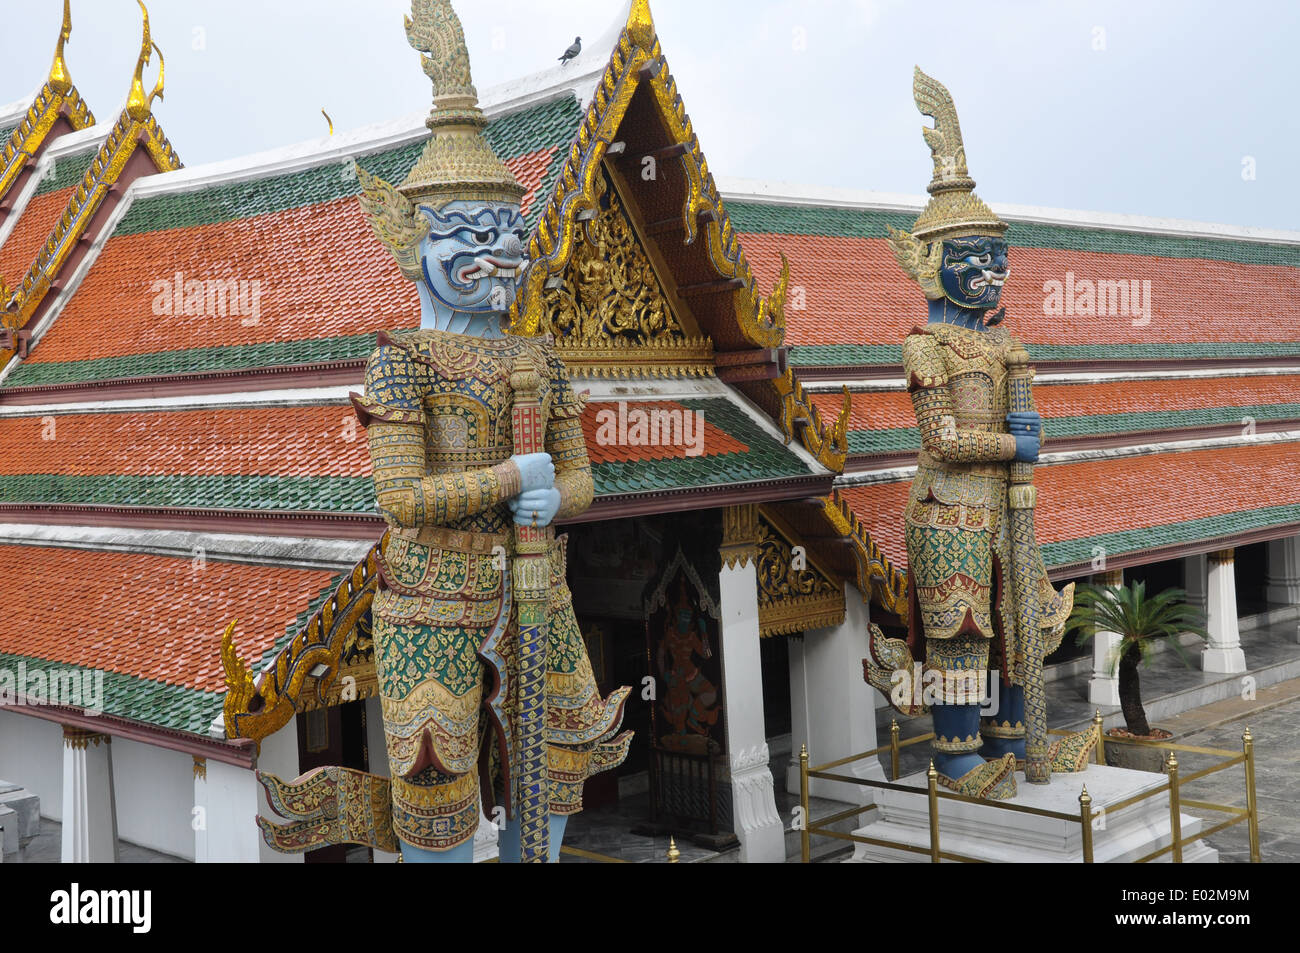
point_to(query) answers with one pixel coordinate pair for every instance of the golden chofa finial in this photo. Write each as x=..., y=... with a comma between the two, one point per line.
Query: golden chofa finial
x=60, y=80
x=138, y=104
x=641, y=25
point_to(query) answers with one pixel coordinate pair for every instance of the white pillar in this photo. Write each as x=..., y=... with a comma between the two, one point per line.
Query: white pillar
x=89, y=808
x=840, y=717
x=1223, y=652
x=757, y=824
x=1196, y=581
x=1283, y=580
x=228, y=800
x=1103, y=686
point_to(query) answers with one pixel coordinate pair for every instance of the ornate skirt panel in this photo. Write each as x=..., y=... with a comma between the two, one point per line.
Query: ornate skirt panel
x=436, y=811
x=950, y=551
x=445, y=649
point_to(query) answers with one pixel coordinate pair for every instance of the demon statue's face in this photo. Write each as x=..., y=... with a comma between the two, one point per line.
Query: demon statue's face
x=973, y=271
x=472, y=256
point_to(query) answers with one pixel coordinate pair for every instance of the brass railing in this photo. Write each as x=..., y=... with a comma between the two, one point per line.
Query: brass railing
x=1085, y=817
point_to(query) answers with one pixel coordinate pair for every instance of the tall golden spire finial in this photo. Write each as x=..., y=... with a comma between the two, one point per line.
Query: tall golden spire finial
x=954, y=209
x=640, y=24
x=457, y=162
x=60, y=80
x=137, y=103
x=435, y=30
x=946, y=148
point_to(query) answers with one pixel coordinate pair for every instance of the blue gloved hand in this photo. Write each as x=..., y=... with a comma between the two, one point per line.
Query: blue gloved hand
x=544, y=503
x=536, y=471
x=1027, y=427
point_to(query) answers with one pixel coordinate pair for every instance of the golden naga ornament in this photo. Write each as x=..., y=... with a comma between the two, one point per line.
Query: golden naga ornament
x=954, y=209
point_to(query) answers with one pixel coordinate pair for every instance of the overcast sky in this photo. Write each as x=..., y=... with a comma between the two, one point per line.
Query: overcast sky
x=1151, y=108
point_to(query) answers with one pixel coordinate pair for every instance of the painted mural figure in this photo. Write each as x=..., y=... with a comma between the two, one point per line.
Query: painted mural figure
x=437, y=409
x=964, y=617
x=690, y=703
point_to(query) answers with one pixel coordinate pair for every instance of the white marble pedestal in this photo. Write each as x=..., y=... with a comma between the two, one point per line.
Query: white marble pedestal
x=990, y=834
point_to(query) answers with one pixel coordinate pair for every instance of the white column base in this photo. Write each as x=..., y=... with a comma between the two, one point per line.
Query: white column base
x=1223, y=661
x=89, y=808
x=758, y=825
x=1222, y=653
x=1103, y=690
x=985, y=832
x=1103, y=686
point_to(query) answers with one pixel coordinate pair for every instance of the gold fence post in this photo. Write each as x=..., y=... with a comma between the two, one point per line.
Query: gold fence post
x=1101, y=737
x=1175, y=815
x=1252, y=809
x=893, y=749
x=932, y=779
x=674, y=855
x=805, y=835
x=1085, y=818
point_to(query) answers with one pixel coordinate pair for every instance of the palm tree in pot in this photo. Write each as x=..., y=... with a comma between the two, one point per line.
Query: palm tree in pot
x=1139, y=620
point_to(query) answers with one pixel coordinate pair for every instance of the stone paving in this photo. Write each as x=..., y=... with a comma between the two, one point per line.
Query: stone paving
x=1276, y=731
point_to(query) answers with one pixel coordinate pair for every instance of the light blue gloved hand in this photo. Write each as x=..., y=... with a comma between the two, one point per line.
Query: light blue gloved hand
x=535, y=507
x=1027, y=427
x=536, y=471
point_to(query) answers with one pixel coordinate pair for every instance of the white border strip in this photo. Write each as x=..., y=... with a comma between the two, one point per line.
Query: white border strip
x=300, y=397
x=895, y=384
x=290, y=551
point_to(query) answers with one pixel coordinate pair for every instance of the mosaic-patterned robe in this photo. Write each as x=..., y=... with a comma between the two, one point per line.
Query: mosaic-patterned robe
x=956, y=521
x=438, y=413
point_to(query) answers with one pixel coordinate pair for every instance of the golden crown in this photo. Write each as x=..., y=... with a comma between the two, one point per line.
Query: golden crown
x=457, y=162
x=954, y=209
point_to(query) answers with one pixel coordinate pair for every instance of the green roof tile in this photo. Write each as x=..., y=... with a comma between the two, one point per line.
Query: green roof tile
x=548, y=124
x=273, y=493
x=1073, y=551
x=68, y=170
x=767, y=458
x=193, y=361
x=908, y=438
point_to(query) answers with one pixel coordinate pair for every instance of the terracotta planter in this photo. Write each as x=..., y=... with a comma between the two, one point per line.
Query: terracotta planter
x=1137, y=757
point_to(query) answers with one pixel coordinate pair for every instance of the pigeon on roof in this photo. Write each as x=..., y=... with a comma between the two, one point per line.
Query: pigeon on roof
x=573, y=51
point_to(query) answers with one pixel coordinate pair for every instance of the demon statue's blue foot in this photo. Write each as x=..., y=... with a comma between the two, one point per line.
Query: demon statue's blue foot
x=990, y=781
x=957, y=757
x=1004, y=734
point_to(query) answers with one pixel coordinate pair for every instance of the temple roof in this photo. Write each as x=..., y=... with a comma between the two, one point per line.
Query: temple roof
x=238, y=421
x=152, y=623
x=1137, y=404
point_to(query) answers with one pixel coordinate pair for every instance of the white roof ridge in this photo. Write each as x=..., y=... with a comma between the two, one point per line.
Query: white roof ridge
x=577, y=78
x=761, y=192
x=14, y=111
